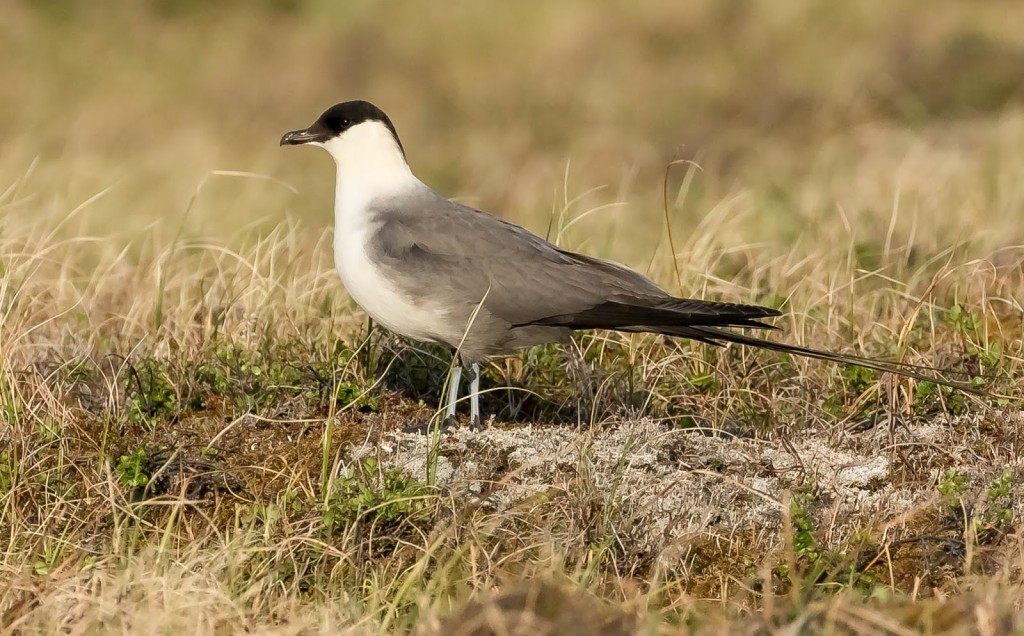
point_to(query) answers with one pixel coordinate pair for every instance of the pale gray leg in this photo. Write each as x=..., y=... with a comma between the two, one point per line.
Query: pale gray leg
x=474, y=396
x=453, y=391
x=449, y=411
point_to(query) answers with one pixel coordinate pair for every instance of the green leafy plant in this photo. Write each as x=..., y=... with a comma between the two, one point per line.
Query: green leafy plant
x=952, y=487
x=385, y=499
x=803, y=531
x=858, y=379
x=933, y=398
x=999, y=494
x=130, y=469
x=347, y=392
x=963, y=321
x=151, y=394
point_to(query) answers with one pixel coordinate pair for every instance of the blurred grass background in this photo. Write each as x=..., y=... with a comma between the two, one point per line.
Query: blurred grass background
x=513, y=107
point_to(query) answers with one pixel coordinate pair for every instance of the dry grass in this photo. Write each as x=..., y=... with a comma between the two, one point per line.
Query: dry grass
x=197, y=432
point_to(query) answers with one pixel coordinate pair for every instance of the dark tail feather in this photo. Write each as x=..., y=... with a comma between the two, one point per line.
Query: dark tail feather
x=706, y=321
x=918, y=372
x=627, y=314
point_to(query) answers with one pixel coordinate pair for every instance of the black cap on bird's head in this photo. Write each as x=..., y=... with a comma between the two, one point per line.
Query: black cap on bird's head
x=336, y=120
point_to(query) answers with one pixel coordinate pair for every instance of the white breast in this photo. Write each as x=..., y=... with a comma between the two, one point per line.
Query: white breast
x=375, y=293
x=371, y=167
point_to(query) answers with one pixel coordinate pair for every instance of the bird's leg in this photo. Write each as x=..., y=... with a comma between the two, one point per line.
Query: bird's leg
x=474, y=396
x=453, y=394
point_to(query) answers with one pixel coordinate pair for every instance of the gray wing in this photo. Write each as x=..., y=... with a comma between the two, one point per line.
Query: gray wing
x=441, y=249
x=448, y=252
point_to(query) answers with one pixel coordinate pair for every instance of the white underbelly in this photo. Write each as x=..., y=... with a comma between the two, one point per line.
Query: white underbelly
x=379, y=297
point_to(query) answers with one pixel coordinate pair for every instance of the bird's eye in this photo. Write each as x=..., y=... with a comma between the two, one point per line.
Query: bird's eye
x=345, y=123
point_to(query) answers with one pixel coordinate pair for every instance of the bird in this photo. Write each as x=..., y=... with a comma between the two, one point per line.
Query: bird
x=438, y=271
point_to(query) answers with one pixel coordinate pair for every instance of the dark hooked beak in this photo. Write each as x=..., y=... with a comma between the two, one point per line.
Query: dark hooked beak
x=298, y=137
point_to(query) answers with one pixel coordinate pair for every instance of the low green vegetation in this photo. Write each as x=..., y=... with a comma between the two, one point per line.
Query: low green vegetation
x=383, y=500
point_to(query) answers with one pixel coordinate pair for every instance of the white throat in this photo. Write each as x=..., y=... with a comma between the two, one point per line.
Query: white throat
x=370, y=167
